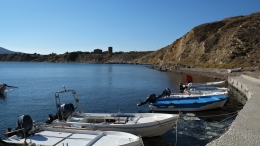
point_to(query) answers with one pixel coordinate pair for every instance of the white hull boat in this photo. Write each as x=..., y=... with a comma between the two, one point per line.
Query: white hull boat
x=42, y=135
x=208, y=90
x=209, y=83
x=143, y=124
x=202, y=88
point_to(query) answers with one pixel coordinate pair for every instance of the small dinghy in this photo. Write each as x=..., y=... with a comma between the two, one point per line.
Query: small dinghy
x=3, y=88
x=143, y=124
x=27, y=133
x=168, y=101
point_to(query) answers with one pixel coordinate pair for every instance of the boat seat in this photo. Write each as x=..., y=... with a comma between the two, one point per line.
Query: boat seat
x=121, y=120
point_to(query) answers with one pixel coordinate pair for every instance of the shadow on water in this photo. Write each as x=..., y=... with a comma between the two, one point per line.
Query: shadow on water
x=198, y=128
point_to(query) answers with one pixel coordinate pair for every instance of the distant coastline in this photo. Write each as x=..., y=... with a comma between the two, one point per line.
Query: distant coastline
x=80, y=57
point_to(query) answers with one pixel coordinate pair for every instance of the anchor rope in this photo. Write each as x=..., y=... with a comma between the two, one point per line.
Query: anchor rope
x=227, y=118
x=176, y=129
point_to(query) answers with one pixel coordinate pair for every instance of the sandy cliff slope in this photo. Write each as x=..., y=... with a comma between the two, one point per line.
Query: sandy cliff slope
x=231, y=42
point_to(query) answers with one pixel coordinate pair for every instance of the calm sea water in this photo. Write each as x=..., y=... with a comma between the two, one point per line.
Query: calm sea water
x=100, y=87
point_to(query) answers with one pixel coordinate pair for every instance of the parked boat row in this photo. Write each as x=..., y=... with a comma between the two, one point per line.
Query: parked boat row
x=70, y=124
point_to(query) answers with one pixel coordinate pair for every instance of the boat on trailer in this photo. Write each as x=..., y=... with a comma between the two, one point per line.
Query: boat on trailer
x=27, y=133
x=143, y=124
x=168, y=101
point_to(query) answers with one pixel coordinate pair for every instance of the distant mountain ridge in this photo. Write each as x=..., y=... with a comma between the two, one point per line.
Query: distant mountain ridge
x=5, y=51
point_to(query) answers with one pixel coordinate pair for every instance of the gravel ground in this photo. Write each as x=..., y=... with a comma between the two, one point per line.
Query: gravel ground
x=222, y=74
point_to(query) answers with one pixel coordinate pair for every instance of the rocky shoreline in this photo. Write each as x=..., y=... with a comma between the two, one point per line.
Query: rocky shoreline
x=216, y=73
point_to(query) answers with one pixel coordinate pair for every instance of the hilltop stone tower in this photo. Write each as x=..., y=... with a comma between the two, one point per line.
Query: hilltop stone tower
x=110, y=50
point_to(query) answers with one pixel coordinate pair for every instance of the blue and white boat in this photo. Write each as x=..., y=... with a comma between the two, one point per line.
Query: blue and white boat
x=198, y=103
x=184, y=102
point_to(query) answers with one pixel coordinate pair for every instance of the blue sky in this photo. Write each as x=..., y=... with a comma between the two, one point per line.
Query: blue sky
x=58, y=26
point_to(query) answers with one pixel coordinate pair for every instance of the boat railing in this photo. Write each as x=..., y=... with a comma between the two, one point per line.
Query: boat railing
x=58, y=103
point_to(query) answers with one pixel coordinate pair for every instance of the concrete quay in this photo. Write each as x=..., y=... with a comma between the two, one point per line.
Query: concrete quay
x=245, y=129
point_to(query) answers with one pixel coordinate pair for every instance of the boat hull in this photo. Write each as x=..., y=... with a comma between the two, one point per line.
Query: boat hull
x=68, y=136
x=189, y=104
x=143, y=124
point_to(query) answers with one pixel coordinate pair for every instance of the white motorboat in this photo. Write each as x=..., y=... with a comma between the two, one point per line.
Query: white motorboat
x=41, y=135
x=208, y=87
x=143, y=124
x=209, y=83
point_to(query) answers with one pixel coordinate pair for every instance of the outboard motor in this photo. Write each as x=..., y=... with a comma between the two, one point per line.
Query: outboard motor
x=23, y=125
x=166, y=92
x=182, y=87
x=151, y=98
x=64, y=112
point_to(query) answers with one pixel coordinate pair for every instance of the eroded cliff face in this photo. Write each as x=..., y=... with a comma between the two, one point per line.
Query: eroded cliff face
x=231, y=42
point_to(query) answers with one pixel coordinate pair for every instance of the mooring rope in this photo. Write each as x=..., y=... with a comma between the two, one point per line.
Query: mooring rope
x=176, y=130
x=227, y=118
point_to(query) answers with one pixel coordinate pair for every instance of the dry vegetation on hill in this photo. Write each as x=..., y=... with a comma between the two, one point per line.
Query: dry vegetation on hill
x=232, y=42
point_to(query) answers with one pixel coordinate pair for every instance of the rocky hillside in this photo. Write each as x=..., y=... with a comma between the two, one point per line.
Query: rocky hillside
x=130, y=57
x=232, y=42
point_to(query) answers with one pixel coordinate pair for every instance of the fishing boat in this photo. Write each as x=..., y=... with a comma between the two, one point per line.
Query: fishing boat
x=143, y=124
x=27, y=133
x=217, y=83
x=208, y=87
x=184, y=102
